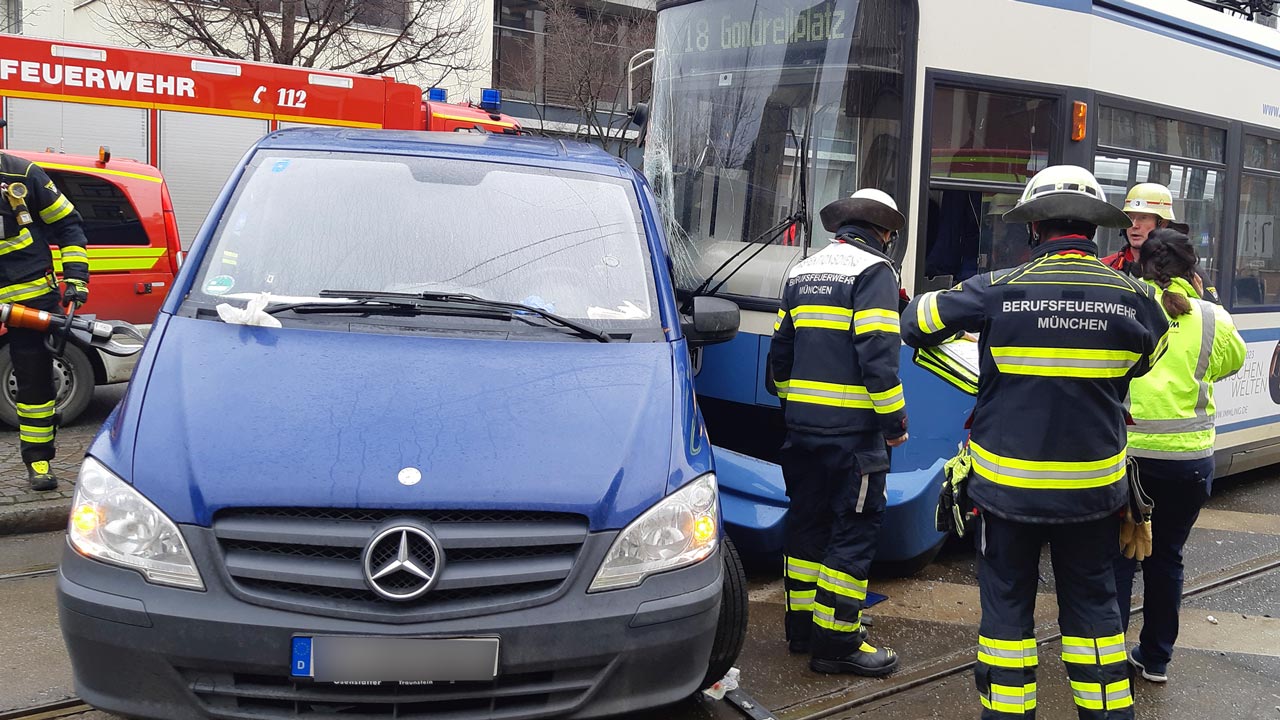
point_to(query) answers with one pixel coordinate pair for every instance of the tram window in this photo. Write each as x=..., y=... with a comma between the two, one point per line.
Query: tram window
x=1262, y=153
x=990, y=137
x=1197, y=200
x=1257, y=279
x=965, y=235
x=1149, y=133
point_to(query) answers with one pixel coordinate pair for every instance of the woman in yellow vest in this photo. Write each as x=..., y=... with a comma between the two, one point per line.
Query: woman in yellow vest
x=1172, y=437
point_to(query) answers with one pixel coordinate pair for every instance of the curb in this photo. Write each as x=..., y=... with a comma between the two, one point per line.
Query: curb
x=34, y=517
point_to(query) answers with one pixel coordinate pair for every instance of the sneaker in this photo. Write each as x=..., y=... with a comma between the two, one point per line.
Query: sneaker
x=867, y=661
x=1150, y=671
x=40, y=476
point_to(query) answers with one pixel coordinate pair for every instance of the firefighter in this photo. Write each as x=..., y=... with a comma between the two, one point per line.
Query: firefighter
x=1172, y=438
x=35, y=214
x=1061, y=337
x=834, y=363
x=1150, y=207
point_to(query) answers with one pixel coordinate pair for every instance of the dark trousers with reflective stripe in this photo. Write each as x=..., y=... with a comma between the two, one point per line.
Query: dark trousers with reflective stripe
x=33, y=371
x=832, y=525
x=1093, y=641
x=1179, y=488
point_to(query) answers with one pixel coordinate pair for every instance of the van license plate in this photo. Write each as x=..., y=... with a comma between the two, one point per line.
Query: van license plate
x=377, y=659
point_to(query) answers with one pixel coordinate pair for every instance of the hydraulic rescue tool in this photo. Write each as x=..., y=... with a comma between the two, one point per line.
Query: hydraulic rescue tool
x=105, y=336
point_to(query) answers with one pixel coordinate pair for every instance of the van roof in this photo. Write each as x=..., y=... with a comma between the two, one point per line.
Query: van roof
x=482, y=147
x=121, y=167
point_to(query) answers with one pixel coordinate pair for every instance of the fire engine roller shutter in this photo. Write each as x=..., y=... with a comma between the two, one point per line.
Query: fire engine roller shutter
x=197, y=155
x=76, y=128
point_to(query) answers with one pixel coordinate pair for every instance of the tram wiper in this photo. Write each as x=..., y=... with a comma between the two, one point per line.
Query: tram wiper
x=799, y=217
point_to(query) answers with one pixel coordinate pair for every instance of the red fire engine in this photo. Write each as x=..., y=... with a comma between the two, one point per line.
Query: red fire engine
x=194, y=116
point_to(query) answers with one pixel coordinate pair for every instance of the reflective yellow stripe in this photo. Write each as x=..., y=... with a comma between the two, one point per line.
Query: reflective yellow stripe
x=831, y=394
x=1064, y=362
x=803, y=570
x=1102, y=651
x=36, y=439
x=40, y=431
x=1119, y=695
x=825, y=617
x=100, y=171
x=1046, y=475
x=889, y=401
x=1008, y=653
x=1088, y=695
x=74, y=253
x=875, y=320
x=60, y=208
x=842, y=584
x=36, y=412
x=777, y=325
x=115, y=259
x=781, y=386
x=828, y=317
x=927, y=315
x=22, y=240
x=25, y=291
x=1010, y=698
x=800, y=600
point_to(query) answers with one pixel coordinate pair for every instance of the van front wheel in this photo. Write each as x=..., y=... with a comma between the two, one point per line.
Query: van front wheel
x=72, y=385
x=731, y=631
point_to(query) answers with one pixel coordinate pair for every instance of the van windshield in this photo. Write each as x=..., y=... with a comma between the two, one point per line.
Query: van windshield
x=567, y=242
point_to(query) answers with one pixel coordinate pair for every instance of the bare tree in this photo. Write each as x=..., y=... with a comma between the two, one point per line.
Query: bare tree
x=585, y=53
x=436, y=38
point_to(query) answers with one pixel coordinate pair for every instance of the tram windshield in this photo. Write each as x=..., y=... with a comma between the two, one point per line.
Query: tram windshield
x=763, y=109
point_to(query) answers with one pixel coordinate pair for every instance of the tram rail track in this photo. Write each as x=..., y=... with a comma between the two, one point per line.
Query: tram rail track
x=1204, y=585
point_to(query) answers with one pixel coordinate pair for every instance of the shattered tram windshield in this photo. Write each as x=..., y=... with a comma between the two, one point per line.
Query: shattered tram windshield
x=569, y=243
x=748, y=95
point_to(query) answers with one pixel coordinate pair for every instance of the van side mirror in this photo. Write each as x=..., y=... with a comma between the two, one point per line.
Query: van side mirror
x=713, y=320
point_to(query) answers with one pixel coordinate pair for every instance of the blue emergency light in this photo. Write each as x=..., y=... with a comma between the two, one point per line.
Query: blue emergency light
x=491, y=100
x=438, y=95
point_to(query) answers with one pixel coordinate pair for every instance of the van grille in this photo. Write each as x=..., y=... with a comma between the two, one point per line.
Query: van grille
x=309, y=559
x=517, y=696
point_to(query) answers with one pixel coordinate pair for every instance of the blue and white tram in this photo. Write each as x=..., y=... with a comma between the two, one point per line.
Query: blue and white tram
x=766, y=110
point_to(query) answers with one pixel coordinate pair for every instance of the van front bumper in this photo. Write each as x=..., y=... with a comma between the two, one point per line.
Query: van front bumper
x=148, y=651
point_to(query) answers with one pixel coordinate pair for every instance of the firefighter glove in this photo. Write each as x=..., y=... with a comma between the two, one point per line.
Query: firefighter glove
x=1135, y=538
x=75, y=291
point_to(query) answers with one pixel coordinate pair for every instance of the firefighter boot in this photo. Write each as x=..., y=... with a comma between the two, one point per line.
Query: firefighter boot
x=866, y=661
x=40, y=476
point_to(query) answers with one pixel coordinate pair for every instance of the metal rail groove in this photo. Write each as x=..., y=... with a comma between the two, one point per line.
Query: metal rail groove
x=1239, y=576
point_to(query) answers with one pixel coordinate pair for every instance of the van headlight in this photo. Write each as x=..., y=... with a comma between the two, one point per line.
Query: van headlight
x=682, y=529
x=113, y=522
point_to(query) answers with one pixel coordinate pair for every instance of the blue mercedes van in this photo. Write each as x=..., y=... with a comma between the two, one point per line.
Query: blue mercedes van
x=414, y=435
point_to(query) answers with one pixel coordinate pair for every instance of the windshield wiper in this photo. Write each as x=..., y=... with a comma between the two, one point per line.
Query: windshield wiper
x=430, y=299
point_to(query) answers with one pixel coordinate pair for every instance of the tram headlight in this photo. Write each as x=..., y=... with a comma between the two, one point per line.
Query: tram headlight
x=680, y=530
x=113, y=522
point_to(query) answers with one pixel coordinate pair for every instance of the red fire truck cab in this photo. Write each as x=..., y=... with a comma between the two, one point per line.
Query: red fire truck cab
x=192, y=116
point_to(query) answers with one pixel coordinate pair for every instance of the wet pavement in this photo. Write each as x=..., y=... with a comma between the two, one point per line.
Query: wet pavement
x=1229, y=668
x=23, y=510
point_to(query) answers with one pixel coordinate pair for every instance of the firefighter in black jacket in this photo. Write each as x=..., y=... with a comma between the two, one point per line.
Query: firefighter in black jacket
x=1061, y=337
x=34, y=214
x=834, y=363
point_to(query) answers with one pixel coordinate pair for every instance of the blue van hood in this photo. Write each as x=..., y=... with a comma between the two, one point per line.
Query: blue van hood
x=237, y=416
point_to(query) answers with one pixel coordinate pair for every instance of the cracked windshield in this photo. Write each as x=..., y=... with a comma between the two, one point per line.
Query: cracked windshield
x=574, y=246
x=763, y=112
